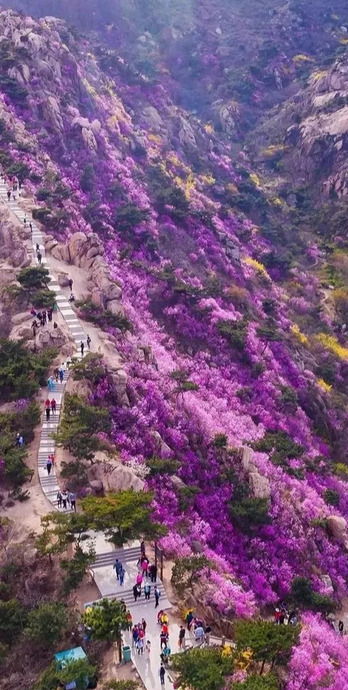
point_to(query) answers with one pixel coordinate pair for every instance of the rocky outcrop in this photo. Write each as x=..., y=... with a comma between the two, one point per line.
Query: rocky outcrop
x=12, y=238
x=337, y=527
x=111, y=475
x=86, y=251
x=259, y=485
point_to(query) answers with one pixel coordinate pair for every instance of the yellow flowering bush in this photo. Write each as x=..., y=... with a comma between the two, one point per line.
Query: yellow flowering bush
x=255, y=179
x=343, y=41
x=319, y=75
x=325, y=386
x=208, y=179
x=272, y=150
x=257, y=265
x=301, y=58
x=301, y=337
x=329, y=342
x=209, y=129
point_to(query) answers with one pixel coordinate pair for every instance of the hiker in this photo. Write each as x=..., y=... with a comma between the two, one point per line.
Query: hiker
x=48, y=465
x=199, y=634
x=207, y=633
x=31, y=226
x=37, y=248
x=8, y=195
x=162, y=673
x=341, y=627
x=136, y=592
x=159, y=617
x=148, y=649
x=44, y=317
x=135, y=635
x=70, y=283
x=49, y=314
x=55, y=325
x=142, y=549
x=50, y=383
x=182, y=633
x=166, y=654
x=89, y=342
x=153, y=572
x=72, y=499
x=189, y=619
x=59, y=499
x=82, y=346
x=72, y=297
x=61, y=374
x=68, y=362
x=65, y=497
x=25, y=220
x=144, y=566
x=157, y=596
x=21, y=441
x=53, y=406
x=140, y=645
x=144, y=625
x=121, y=576
x=117, y=567
x=34, y=326
x=147, y=591
x=39, y=257
x=139, y=579
x=56, y=374
x=48, y=409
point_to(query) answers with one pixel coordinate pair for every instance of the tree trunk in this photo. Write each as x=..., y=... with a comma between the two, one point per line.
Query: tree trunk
x=262, y=667
x=119, y=647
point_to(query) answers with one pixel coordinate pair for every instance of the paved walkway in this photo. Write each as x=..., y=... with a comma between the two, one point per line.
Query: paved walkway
x=146, y=664
x=49, y=483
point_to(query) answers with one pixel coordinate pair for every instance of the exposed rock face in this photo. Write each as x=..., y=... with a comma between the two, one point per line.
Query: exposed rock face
x=111, y=475
x=337, y=527
x=86, y=251
x=259, y=485
x=12, y=238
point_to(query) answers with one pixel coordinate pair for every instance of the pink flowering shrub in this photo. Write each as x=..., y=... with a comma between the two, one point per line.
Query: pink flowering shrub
x=321, y=658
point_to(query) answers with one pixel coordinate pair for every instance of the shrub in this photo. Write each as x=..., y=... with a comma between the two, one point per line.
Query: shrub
x=47, y=624
x=249, y=513
x=129, y=217
x=303, y=595
x=331, y=497
x=187, y=571
x=234, y=332
x=34, y=278
x=21, y=371
x=159, y=466
x=41, y=214
x=12, y=618
x=87, y=179
x=280, y=445
x=90, y=368
x=220, y=441
x=105, y=319
x=44, y=299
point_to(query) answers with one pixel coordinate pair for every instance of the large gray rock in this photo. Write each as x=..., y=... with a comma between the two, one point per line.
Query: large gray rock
x=337, y=527
x=259, y=485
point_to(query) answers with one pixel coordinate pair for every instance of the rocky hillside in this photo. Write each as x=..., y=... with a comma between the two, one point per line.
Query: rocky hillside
x=236, y=369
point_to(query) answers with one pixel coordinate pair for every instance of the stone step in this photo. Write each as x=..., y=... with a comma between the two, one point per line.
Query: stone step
x=123, y=555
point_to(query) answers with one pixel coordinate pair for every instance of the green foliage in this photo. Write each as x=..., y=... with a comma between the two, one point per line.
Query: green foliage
x=79, y=424
x=87, y=179
x=60, y=530
x=121, y=685
x=183, y=383
x=186, y=496
x=331, y=497
x=13, y=89
x=303, y=595
x=186, y=571
x=41, y=214
x=280, y=445
x=21, y=371
x=220, y=441
x=77, y=671
x=44, y=299
x=104, y=319
x=234, y=332
x=159, y=466
x=268, y=332
x=267, y=682
x=129, y=217
x=15, y=471
x=90, y=368
x=34, y=278
x=268, y=642
x=203, y=669
x=122, y=516
x=47, y=623
x=75, y=568
x=12, y=619
x=249, y=513
x=106, y=619
x=76, y=474
x=288, y=400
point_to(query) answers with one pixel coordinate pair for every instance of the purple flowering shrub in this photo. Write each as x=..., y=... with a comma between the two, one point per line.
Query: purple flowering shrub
x=197, y=293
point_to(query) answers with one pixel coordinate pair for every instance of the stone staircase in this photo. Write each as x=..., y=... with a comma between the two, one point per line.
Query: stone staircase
x=108, y=585
x=49, y=483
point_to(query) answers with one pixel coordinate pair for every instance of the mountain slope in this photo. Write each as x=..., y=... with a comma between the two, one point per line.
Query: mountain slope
x=230, y=346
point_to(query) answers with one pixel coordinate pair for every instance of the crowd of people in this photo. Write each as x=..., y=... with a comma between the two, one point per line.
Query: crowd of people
x=283, y=616
x=66, y=499
x=200, y=630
